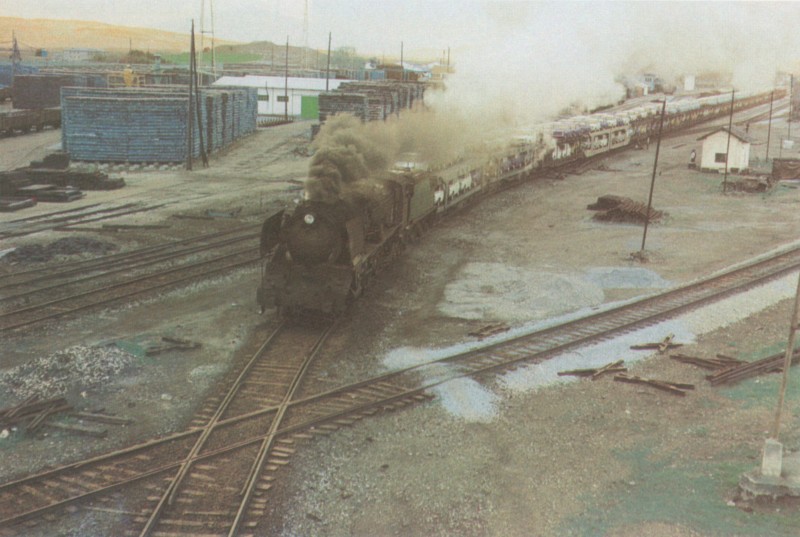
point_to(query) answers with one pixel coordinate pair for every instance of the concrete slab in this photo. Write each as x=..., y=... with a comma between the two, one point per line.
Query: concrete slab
x=756, y=483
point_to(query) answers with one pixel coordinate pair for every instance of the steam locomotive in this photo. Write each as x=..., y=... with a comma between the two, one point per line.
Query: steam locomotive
x=320, y=256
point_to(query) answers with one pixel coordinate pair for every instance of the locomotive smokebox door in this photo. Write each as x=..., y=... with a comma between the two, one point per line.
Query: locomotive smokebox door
x=269, y=232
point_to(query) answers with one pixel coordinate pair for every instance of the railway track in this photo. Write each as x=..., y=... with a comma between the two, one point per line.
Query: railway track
x=269, y=429
x=180, y=470
x=70, y=217
x=44, y=294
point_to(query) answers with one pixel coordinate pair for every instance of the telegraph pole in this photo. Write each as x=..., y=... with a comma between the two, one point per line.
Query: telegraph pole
x=190, y=119
x=286, y=84
x=728, y=150
x=791, y=106
x=402, y=65
x=328, y=69
x=787, y=361
x=653, y=180
x=16, y=56
x=769, y=125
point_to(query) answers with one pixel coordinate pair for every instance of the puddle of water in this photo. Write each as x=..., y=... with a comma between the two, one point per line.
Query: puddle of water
x=469, y=400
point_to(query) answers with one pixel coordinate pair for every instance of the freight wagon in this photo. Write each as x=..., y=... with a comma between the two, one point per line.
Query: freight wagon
x=23, y=121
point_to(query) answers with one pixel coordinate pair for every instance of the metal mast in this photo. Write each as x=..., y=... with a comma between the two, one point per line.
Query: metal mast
x=305, y=37
x=16, y=56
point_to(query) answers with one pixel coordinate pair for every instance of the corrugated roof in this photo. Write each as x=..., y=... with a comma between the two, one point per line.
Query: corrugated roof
x=735, y=131
x=294, y=82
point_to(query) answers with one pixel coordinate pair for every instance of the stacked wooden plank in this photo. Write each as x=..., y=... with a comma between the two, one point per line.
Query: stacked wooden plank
x=338, y=102
x=151, y=124
x=370, y=100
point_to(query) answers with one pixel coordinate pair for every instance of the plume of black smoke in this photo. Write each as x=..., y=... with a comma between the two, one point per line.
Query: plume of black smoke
x=345, y=152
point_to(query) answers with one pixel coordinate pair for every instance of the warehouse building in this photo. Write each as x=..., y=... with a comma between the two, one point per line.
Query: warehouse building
x=277, y=95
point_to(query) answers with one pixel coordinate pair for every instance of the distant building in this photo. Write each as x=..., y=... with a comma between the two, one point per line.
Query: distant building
x=715, y=150
x=81, y=54
x=407, y=72
x=651, y=81
x=302, y=95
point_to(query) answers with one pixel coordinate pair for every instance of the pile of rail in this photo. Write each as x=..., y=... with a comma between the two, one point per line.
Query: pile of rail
x=50, y=180
x=750, y=185
x=621, y=209
x=770, y=364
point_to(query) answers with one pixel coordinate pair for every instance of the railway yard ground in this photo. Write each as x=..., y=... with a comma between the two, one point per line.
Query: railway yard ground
x=526, y=452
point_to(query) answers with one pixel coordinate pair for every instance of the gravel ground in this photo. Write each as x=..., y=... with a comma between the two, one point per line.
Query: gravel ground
x=525, y=453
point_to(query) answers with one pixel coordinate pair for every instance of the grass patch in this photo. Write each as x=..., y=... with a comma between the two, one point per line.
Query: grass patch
x=691, y=495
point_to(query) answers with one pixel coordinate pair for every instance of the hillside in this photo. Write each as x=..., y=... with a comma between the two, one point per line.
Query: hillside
x=60, y=34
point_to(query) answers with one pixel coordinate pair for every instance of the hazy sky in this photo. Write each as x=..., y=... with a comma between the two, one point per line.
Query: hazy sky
x=520, y=53
x=375, y=26
x=378, y=26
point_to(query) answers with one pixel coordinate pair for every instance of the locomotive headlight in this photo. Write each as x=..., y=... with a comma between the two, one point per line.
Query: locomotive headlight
x=308, y=219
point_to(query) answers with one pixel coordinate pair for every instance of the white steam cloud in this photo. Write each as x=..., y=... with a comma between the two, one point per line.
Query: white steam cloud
x=526, y=61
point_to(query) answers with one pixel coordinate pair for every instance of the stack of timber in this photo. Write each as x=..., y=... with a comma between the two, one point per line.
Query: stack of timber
x=333, y=103
x=150, y=124
x=370, y=100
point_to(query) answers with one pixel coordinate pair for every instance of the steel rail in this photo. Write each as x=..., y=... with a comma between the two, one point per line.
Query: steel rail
x=263, y=361
x=169, y=494
x=89, y=264
x=266, y=444
x=61, y=313
x=144, y=261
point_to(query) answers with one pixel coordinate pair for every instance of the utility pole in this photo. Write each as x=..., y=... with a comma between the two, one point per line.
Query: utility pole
x=189, y=120
x=195, y=75
x=16, y=55
x=328, y=69
x=791, y=106
x=787, y=361
x=653, y=180
x=402, y=65
x=213, y=52
x=728, y=150
x=769, y=125
x=202, y=28
x=305, y=37
x=286, y=84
